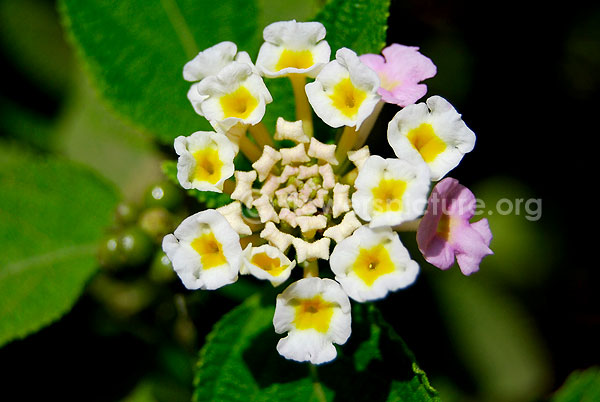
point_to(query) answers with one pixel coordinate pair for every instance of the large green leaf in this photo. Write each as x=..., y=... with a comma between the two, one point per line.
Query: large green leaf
x=52, y=215
x=236, y=361
x=135, y=51
x=360, y=25
x=582, y=385
x=239, y=362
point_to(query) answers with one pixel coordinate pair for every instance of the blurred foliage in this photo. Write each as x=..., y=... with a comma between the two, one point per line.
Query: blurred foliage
x=582, y=385
x=52, y=216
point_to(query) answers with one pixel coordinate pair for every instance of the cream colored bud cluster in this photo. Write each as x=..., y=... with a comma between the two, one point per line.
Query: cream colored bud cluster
x=297, y=195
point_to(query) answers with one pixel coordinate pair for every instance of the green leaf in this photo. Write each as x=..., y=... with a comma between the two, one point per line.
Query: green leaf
x=135, y=51
x=239, y=356
x=52, y=215
x=359, y=25
x=582, y=385
x=383, y=365
x=239, y=361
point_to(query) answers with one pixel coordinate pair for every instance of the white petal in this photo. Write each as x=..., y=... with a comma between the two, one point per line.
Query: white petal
x=343, y=262
x=309, y=344
x=187, y=147
x=187, y=263
x=261, y=273
x=210, y=61
x=412, y=201
x=446, y=125
x=233, y=77
x=292, y=36
x=346, y=66
x=305, y=346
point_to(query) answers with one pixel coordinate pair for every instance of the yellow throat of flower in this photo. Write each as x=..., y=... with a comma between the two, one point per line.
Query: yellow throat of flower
x=314, y=313
x=372, y=263
x=347, y=98
x=387, y=196
x=300, y=59
x=424, y=140
x=239, y=103
x=208, y=165
x=210, y=250
x=271, y=265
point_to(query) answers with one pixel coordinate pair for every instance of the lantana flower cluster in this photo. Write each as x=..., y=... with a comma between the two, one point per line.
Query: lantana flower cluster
x=306, y=200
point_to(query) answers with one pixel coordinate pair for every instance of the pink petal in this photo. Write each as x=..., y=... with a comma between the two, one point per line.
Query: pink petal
x=483, y=228
x=469, y=242
x=439, y=253
x=403, y=68
x=408, y=64
x=408, y=93
x=470, y=247
x=456, y=200
x=374, y=61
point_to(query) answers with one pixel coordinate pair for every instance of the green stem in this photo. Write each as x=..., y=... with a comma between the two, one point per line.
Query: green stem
x=303, y=109
x=317, y=387
x=261, y=135
x=311, y=269
x=410, y=226
x=250, y=149
x=367, y=126
x=345, y=144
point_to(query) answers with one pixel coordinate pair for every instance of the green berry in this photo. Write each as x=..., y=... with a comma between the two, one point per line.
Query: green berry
x=135, y=246
x=109, y=254
x=161, y=269
x=126, y=213
x=165, y=195
x=156, y=222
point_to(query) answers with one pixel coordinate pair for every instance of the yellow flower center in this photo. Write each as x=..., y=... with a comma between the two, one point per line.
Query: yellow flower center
x=208, y=165
x=347, y=98
x=373, y=263
x=314, y=313
x=388, y=195
x=210, y=250
x=424, y=140
x=266, y=263
x=300, y=59
x=240, y=103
